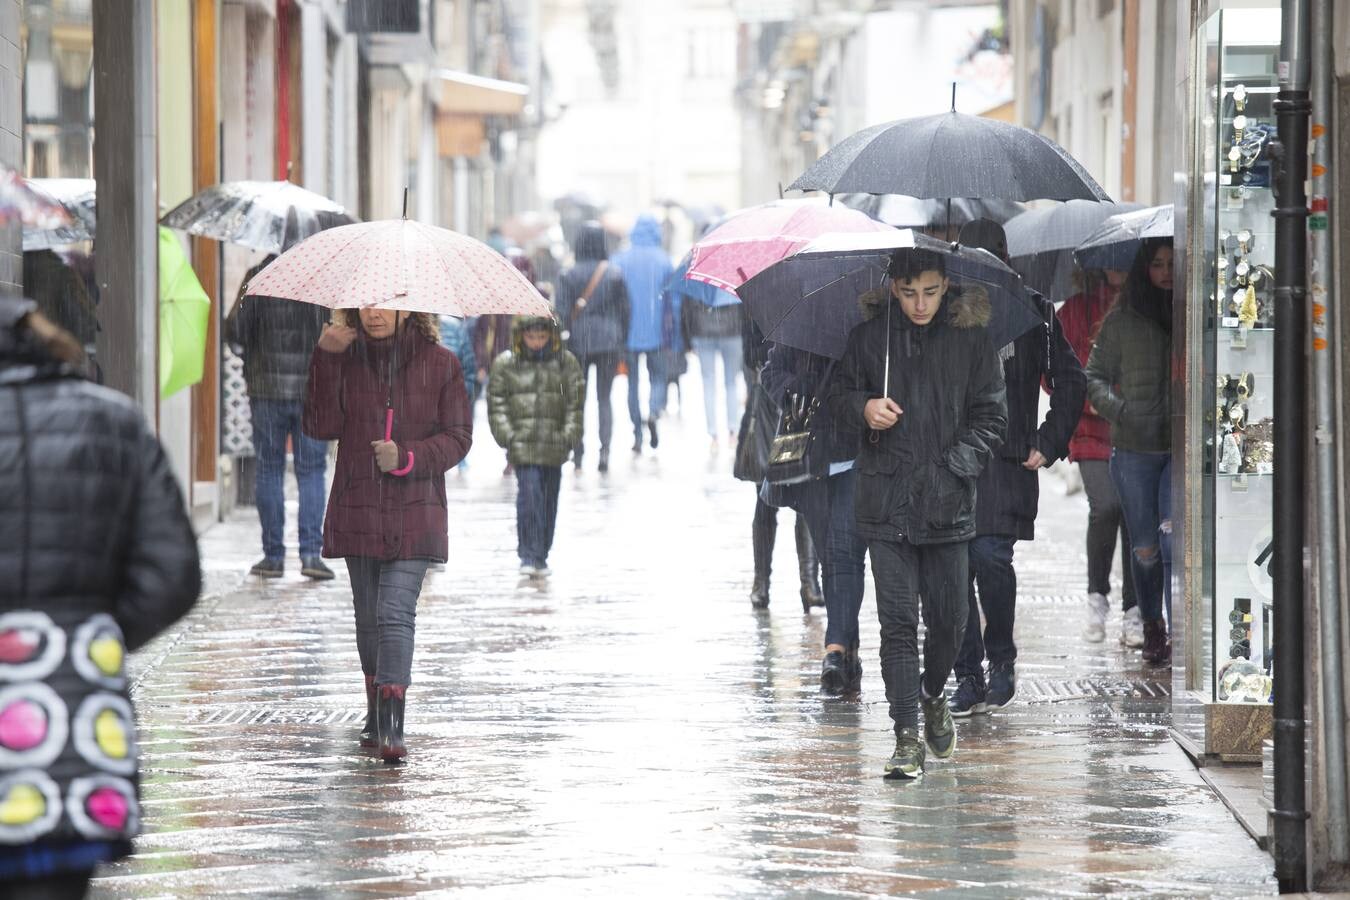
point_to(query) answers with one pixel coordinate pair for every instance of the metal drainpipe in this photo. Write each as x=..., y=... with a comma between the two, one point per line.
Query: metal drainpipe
x=1293, y=110
x=1324, y=263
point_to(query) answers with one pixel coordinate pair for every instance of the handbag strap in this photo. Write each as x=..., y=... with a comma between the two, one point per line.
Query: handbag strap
x=594, y=283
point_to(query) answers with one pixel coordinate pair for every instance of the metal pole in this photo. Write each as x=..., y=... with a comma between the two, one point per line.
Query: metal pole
x=1325, y=451
x=1292, y=110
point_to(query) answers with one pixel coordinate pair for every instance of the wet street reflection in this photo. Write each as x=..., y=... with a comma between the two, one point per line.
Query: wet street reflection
x=633, y=727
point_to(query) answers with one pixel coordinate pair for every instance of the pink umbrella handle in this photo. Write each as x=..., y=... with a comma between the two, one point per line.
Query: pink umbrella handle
x=389, y=436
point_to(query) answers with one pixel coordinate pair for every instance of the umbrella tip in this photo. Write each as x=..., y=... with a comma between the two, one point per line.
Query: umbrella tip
x=405, y=201
x=953, y=96
x=290, y=167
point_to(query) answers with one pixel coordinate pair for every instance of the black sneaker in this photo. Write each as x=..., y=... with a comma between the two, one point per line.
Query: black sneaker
x=313, y=567
x=906, y=761
x=654, y=438
x=852, y=673
x=833, y=673
x=938, y=729
x=969, y=698
x=270, y=568
x=1002, y=686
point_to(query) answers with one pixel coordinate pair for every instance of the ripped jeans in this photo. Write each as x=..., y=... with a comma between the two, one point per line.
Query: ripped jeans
x=1144, y=482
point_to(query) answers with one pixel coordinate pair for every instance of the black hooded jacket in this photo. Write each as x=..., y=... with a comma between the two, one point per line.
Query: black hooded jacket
x=97, y=556
x=276, y=338
x=602, y=325
x=917, y=479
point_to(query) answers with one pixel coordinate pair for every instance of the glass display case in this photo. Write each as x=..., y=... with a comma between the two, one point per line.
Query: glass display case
x=1237, y=126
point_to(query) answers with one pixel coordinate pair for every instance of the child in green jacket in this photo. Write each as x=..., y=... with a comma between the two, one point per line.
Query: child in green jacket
x=535, y=396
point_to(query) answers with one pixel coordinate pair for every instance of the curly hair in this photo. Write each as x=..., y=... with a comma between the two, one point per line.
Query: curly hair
x=425, y=323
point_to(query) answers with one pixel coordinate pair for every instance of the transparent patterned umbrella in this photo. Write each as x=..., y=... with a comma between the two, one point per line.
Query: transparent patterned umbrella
x=76, y=196
x=20, y=203
x=271, y=216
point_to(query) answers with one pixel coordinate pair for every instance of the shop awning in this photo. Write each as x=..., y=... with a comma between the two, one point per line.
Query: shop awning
x=463, y=94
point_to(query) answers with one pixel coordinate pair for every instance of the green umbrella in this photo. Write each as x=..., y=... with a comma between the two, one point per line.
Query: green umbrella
x=184, y=311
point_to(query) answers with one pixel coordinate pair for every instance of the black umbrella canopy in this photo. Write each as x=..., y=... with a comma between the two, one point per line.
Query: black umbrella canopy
x=1041, y=242
x=911, y=212
x=811, y=300
x=951, y=155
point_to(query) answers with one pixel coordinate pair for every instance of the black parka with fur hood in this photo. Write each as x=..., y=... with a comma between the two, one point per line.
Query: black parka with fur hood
x=917, y=479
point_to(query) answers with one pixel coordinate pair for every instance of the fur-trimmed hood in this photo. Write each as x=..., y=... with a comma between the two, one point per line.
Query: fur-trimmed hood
x=966, y=305
x=520, y=324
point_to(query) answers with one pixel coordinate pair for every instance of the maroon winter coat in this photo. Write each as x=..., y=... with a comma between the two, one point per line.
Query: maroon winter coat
x=1079, y=318
x=377, y=514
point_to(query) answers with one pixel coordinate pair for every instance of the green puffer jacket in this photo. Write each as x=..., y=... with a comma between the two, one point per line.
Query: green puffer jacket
x=534, y=404
x=1129, y=380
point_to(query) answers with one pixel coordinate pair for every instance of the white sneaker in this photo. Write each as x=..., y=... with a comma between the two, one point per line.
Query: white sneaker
x=542, y=571
x=1132, y=628
x=529, y=571
x=1094, y=629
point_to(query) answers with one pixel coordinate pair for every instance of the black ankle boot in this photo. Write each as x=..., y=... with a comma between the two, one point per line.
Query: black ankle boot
x=370, y=731
x=759, y=592
x=389, y=717
x=808, y=566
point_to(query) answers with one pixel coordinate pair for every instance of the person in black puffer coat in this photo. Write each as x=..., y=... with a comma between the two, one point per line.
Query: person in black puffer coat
x=276, y=337
x=1009, y=489
x=98, y=557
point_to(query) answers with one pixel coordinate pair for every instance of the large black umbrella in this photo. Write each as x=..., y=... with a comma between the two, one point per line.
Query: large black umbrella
x=1041, y=242
x=900, y=211
x=812, y=299
x=951, y=155
x=271, y=216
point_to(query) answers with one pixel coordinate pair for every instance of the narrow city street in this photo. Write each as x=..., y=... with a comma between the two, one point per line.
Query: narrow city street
x=631, y=727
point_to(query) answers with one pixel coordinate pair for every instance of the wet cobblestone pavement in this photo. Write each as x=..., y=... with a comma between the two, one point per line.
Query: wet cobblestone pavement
x=632, y=727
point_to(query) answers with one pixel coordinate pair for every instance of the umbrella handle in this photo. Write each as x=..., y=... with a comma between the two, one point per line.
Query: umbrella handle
x=389, y=436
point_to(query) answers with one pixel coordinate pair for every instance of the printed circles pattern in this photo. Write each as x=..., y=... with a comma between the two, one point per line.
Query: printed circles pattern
x=40, y=738
x=400, y=264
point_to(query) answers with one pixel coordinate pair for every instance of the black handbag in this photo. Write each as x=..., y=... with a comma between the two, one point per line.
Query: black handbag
x=800, y=450
x=758, y=426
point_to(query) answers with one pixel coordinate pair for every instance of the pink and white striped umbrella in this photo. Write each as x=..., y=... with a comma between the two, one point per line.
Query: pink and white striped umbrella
x=751, y=241
x=400, y=264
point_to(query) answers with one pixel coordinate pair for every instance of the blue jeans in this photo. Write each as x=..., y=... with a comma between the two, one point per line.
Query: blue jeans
x=656, y=375
x=827, y=506
x=707, y=350
x=536, y=511
x=273, y=422
x=991, y=569
x=1144, y=482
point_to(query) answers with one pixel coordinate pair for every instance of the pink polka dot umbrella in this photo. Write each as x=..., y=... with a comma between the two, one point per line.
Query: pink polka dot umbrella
x=400, y=264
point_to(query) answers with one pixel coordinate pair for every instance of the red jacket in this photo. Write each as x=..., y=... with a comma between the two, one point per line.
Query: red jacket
x=372, y=513
x=1079, y=318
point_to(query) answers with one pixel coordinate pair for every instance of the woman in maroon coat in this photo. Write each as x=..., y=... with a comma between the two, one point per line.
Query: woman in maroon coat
x=1080, y=317
x=393, y=398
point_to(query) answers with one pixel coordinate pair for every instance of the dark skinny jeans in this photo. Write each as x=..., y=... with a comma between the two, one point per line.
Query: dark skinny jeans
x=384, y=595
x=536, y=511
x=992, y=572
x=936, y=576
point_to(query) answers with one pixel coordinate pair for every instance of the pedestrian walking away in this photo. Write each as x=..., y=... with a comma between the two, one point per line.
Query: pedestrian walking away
x=593, y=308
x=752, y=452
x=394, y=399
x=715, y=333
x=827, y=506
x=275, y=338
x=646, y=268
x=1008, y=490
x=99, y=557
x=923, y=382
x=1129, y=384
x=535, y=399
x=1081, y=317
